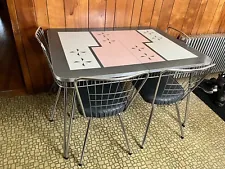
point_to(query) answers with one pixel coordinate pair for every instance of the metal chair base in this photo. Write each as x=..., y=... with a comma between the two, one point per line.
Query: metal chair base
x=54, y=108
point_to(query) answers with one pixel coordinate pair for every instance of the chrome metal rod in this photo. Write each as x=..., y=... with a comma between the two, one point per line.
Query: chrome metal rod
x=52, y=115
x=147, y=128
x=179, y=121
x=65, y=120
x=71, y=122
x=125, y=134
x=85, y=141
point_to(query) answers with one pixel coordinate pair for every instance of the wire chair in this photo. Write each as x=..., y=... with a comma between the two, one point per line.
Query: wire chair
x=178, y=34
x=168, y=88
x=101, y=98
x=40, y=36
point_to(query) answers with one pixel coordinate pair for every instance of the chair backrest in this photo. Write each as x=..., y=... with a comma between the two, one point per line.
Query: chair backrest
x=178, y=34
x=107, y=95
x=170, y=84
x=40, y=36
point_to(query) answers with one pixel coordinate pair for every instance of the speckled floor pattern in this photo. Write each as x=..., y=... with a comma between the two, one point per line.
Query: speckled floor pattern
x=29, y=140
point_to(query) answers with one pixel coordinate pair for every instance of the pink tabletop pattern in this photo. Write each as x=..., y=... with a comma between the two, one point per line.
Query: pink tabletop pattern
x=126, y=47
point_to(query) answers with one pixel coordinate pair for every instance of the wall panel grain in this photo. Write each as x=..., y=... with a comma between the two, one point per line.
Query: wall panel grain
x=178, y=14
x=222, y=20
x=76, y=13
x=147, y=12
x=137, y=9
x=191, y=16
x=198, y=20
x=215, y=24
x=124, y=9
x=156, y=12
x=19, y=45
x=165, y=14
x=27, y=23
x=208, y=16
x=97, y=13
x=110, y=13
x=41, y=13
x=56, y=13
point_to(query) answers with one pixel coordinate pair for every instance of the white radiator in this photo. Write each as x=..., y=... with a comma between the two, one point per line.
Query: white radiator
x=212, y=46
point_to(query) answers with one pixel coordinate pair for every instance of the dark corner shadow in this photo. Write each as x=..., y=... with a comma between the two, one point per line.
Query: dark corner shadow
x=208, y=100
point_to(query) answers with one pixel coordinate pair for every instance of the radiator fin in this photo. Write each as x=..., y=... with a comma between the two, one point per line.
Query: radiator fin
x=212, y=46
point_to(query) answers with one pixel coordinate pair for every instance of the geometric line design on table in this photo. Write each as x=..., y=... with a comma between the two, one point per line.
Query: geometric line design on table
x=84, y=50
x=124, y=47
x=165, y=47
x=76, y=46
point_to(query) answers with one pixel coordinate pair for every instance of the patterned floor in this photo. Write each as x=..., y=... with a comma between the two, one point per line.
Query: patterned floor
x=29, y=140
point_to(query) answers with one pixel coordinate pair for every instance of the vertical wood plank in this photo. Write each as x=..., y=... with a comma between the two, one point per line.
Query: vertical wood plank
x=56, y=13
x=28, y=26
x=123, y=14
x=222, y=21
x=178, y=14
x=70, y=12
x=41, y=13
x=110, y=13
x=215, y=24
x=76, y=12
x=156, y=12
x=19, y=45
x=191, y=16
x=199, y=17
x=137, y=9
x=97, y=13
x=165, y=14
x=208, y=16
x=147, y=12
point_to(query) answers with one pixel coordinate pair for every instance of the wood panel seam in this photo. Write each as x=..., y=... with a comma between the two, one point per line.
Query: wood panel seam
x=152, y=13
x=23, y=48
x=221, y=16
x=202, y=16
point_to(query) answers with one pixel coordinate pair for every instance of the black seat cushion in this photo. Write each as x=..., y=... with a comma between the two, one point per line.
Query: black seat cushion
x=97, y=101
x=148, y=90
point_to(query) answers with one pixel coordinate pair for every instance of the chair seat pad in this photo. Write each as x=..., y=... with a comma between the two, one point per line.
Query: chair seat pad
x=163, y=97
x=97, y=101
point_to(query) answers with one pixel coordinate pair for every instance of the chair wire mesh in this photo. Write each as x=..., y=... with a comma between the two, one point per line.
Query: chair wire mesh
x=100, y=98
x=107, y=97
x=181, y=87
x=171, y=89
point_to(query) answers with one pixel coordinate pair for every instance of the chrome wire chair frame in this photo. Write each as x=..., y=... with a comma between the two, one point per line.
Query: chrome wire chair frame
x=40, y=36
x=179, y=35
x=102, y=98
x=171, y=89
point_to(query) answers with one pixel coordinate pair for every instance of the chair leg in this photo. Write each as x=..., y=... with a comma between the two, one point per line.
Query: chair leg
x=51, y=88
x=147, y=128
x=70, y=123
x=186, y=111
x=179, y=121
x=65, y=122
x=125, y=134
x=54, y=108
x=85, y=141
x=74, y=103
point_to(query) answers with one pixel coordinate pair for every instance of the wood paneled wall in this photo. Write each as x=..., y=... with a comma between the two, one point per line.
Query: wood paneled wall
x=190, y=16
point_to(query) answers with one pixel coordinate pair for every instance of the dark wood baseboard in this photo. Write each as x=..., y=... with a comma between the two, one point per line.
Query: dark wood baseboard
x=11, y=93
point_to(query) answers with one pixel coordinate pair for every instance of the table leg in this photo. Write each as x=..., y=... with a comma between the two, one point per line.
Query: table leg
x=65, y=149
